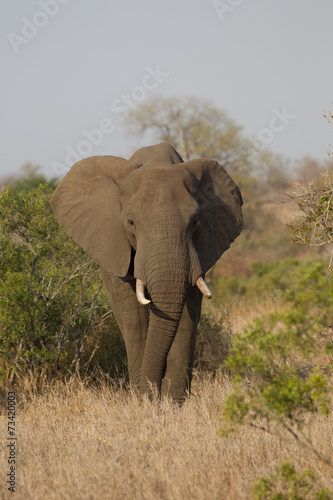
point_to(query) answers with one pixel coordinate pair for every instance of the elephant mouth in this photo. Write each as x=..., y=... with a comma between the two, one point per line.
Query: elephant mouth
x=140, y=290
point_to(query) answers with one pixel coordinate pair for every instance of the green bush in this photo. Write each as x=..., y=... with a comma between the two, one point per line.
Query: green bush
x=53, y=311
x=274, y=279
x=286, y=484
x=283, y=358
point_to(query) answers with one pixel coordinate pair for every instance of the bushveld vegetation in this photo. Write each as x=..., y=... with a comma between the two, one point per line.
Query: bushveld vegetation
x=259, y=422
x=54, y=314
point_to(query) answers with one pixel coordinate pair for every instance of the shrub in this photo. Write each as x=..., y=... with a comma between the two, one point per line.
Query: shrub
x=274, y=278
x=213, y=340
x=282, y=358
x=313, y=224
x=286, y=484
x=53, y=311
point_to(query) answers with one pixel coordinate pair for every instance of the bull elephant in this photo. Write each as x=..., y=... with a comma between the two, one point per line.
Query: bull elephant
x=156, y=225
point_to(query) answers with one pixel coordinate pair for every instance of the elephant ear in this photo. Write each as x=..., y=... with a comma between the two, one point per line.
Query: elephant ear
x=220, y=216
x=87, y=204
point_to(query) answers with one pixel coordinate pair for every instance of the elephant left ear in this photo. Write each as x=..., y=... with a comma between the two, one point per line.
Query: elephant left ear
x=220, y=201
x=87, y=203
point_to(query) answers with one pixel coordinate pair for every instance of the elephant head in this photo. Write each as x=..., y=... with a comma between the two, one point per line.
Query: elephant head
x=156, y=219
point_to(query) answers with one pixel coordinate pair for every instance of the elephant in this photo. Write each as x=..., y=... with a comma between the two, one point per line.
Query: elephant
x=156, y=225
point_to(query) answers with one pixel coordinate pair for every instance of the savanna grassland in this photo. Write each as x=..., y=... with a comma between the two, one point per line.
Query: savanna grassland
x=82, y=442
x=93, y=438
x=260, y=409
x=88, y=440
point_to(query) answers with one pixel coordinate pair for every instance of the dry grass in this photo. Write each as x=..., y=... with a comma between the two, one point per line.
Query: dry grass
x=243, y=312
x=85, y=443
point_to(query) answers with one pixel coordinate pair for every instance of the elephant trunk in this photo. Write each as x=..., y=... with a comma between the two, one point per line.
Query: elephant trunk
x=161, y=333
x=167, y=283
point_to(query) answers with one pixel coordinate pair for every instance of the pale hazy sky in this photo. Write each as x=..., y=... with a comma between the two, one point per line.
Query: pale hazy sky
x=70, y=66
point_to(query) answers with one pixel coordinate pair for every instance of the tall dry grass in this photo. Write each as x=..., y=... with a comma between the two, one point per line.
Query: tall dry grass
x=80, y=442
x=243, y=312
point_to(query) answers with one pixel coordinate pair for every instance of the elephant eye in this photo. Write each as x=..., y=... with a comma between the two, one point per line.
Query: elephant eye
x=195, y=224
x=130, y=222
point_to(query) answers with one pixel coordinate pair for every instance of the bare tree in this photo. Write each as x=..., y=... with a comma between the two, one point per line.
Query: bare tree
x=313, y=225
x=195, y=127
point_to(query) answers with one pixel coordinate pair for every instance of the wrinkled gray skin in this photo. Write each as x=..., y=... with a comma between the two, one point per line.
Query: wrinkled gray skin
x=165, y=222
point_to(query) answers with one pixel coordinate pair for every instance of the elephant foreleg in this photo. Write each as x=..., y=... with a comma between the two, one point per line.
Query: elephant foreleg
x=178, y=375
x=132, y=319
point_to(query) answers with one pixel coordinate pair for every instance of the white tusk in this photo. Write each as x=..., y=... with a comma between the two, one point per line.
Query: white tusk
x=203, y=287
x=140, y=293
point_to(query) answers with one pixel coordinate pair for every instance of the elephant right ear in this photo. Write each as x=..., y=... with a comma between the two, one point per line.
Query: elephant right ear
x=87, y=204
